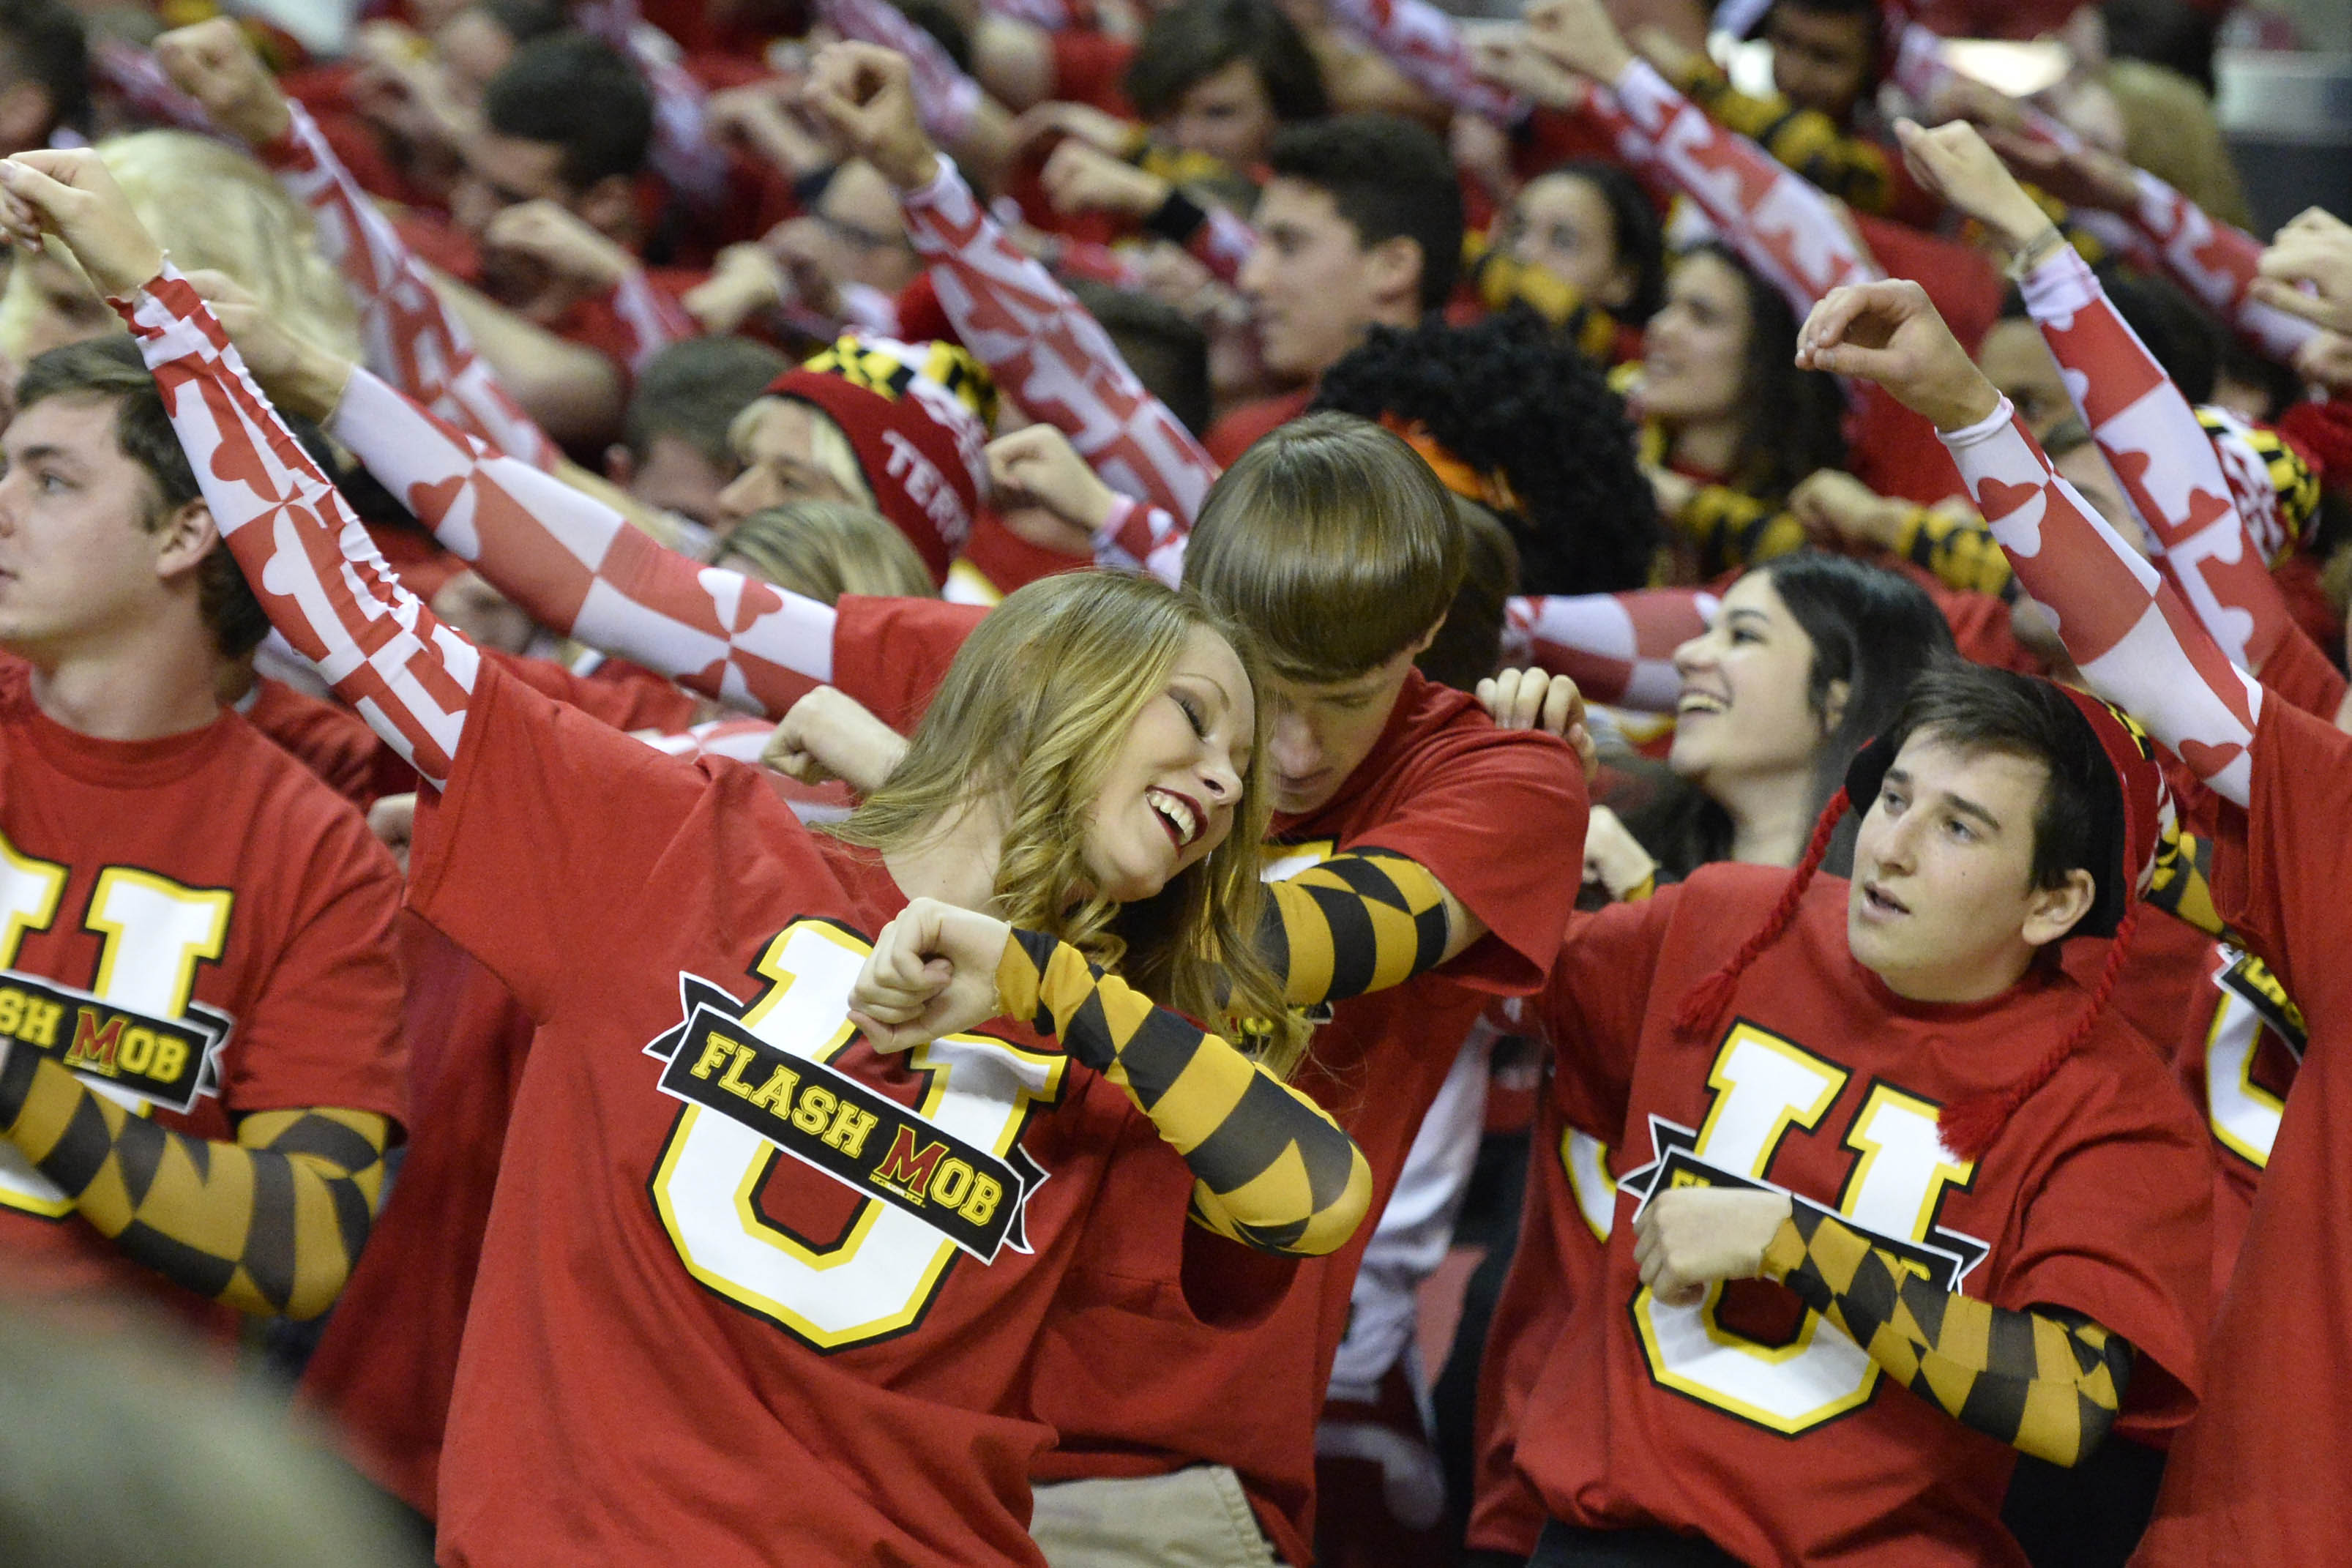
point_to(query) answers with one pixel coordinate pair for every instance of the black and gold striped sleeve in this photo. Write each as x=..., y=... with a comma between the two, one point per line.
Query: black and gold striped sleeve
x=1356, y=923
x=1732, y=528
x=2045, y=1381
x=270, y=1224
x=1275, y=1171
x=1960, y=552
x=1853, y=169
x=2182, y=881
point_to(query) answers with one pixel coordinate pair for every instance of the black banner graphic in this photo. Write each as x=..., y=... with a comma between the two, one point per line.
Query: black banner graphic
x=863, y=1139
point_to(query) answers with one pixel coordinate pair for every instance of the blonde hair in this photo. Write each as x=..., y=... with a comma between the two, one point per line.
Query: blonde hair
x=210, y=207
x=829, y=446
x=824, y=549
x=1033, y=711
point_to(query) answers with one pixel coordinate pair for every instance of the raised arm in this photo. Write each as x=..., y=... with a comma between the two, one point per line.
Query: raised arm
x=1426, y=45
x=2134, y=641
x=575, y=565
x=2144, y=426
x=410, y=336
x=1043, y=347
x=1779, y=223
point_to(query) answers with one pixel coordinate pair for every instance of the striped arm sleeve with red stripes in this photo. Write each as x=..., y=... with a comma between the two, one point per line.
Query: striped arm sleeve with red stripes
x=1618, y=647
x=2151, y=439
x=410, y=337
x=1774, y=219
x=2133, y=640
x=577, y=566
x=1049, y=352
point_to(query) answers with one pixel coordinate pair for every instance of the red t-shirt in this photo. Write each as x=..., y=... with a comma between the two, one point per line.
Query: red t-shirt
x=207, y=927
x=686, y=1346
x=1749, y=1420
x=1235, y=434
x=1090, y=67
x=1485, y=811
x=2257, y=1476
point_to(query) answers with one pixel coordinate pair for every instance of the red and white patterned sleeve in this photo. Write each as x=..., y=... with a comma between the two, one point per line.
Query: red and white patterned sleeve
x=1224, y=245
x=1049, y=354
x=577, y=566
x=1147, y=539
x=310, y=563
x=2150, y=436
x=2217, y=265
x=2135, y=643
x=1618, y=647
x=1426, y=45
x=409, y=338
x=1774, y=217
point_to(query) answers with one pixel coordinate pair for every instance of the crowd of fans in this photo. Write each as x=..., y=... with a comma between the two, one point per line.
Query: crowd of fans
x=801, y=783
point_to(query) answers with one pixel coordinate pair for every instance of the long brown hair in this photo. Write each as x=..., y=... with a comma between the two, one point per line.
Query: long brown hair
x=1034, y=711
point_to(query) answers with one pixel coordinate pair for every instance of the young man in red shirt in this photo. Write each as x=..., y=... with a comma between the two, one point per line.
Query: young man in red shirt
x=2258, y=1477
x=200, y=1065
x=1361, y=226
x=1869, y=1130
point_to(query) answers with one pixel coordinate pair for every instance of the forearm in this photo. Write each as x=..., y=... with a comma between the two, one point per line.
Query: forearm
x=412, y=340
x=1049, y=352
x=1959, y=552
x=1355, y=923
x=577, y=566
x=2160, y=454
x=1618, y=647
x=1857, y=172
x=309, y=562
x=571, y=390
x=2217, y=264
x=272, y=1225
x=2046, y=1383
x=1783, y=227
x=1275, y=1171
x=1426, y=46
x=2134, y=642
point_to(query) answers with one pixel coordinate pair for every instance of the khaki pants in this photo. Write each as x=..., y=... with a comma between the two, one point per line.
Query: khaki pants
x=1196, y=1518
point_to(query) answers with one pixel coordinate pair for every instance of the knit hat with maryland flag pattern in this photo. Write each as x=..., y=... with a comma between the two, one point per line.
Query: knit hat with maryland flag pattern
x=919, y=416
x=2136, y=840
